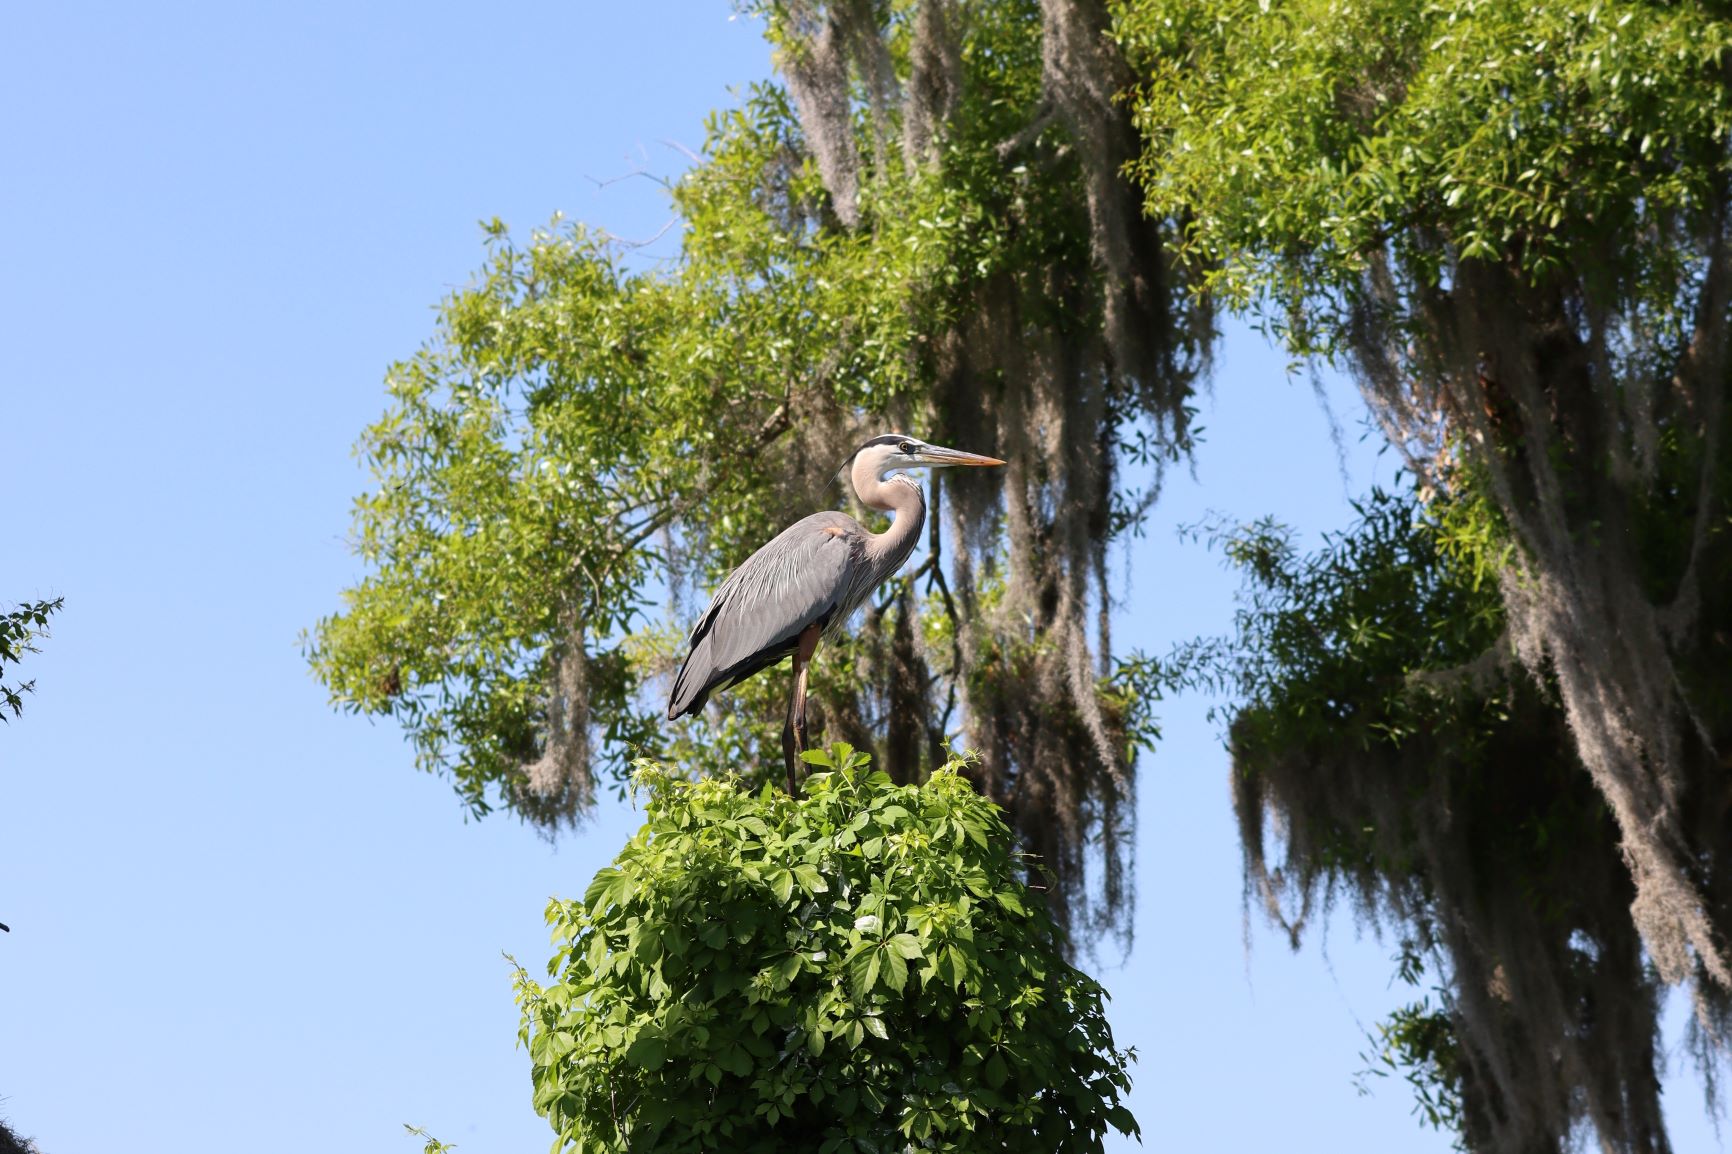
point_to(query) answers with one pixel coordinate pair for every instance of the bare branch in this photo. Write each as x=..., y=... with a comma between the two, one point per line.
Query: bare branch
x=1029, y=133
x=1480, y=674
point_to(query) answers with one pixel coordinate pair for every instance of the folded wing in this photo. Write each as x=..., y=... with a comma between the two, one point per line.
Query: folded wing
x=804, y=576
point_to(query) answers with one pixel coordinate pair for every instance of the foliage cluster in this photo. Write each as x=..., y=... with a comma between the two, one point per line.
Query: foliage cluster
x=1386, y=749
x=1296, y=139
x=19, y=629
x=1418, y=1043
x=11, y=1143
x=862, y=968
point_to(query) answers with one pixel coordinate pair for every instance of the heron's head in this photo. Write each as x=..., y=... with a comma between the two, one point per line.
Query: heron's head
x=885, y=454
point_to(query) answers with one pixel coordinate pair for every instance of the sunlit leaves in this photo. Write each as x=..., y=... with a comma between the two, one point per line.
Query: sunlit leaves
x=708, y=994
x=1298, y=138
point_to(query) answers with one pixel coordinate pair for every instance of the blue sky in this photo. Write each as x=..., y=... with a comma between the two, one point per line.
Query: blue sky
x=242, y=921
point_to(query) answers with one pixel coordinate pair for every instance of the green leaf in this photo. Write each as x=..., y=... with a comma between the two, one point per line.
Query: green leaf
x=895, y=971
x=810, y=879
x=864, y=971
x=647, y=1052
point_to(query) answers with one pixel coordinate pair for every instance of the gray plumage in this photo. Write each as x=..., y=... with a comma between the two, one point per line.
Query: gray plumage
x=807, y=581
x=816, y=571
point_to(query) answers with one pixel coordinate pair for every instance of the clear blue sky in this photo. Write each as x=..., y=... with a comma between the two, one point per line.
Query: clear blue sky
x=242, y=921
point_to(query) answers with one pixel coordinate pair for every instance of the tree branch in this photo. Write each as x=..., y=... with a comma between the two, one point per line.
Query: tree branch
x=1030, y=132
x=1478, y=674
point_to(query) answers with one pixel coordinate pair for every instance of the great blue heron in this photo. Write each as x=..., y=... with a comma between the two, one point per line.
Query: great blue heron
x=807, y=581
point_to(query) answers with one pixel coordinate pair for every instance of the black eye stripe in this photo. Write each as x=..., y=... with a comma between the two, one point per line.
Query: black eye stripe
x=902, y=443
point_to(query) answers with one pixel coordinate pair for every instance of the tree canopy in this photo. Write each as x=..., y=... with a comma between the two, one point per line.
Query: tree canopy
x=926, y=230
x=1381, y=758
x=1510, y=224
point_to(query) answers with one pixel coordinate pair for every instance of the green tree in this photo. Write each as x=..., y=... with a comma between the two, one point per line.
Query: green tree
x=19, y=629
x=11, y=1143
x=1511, y=225
x=926, y=229
x=1444, y=797
x=862, y=968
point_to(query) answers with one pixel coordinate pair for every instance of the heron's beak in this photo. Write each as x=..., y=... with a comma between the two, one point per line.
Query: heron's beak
x=940, y=458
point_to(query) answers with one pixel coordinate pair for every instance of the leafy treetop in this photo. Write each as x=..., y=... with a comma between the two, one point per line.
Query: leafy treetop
x=858, y=969
x=1297, y=139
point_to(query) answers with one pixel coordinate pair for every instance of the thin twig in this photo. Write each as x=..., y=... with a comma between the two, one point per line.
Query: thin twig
x=625, y=242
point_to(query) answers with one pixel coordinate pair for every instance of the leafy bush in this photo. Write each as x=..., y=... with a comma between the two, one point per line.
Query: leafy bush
x=862, y=968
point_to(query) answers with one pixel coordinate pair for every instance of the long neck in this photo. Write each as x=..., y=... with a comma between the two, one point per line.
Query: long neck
x=900, y=496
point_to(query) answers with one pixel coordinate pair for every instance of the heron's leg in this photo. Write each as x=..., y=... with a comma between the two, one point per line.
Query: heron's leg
x=798, y=712
x=794, y=733
x=802, y=662
x=789, y=757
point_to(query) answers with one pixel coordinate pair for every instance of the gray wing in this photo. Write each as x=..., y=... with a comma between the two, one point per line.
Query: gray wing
x=803, y=576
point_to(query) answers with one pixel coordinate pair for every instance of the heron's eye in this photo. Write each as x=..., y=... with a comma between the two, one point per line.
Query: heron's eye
x=907, y=448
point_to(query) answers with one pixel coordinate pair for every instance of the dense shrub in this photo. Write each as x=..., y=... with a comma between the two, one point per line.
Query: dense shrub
x=861, y=968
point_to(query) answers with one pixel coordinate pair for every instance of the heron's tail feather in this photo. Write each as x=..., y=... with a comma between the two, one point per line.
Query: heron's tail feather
x=699, y=676
x=689, y=691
